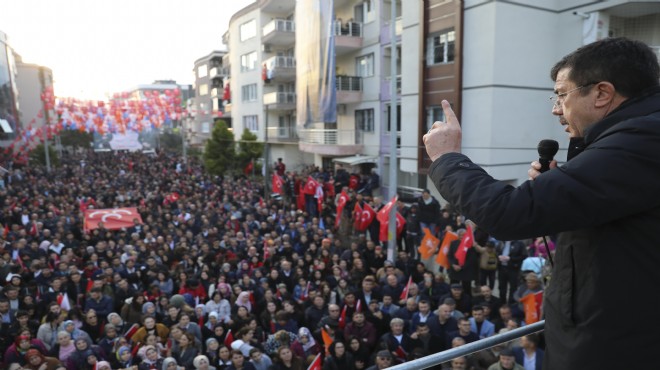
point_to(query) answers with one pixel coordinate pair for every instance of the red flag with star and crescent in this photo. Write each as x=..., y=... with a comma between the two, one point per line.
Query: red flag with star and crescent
x=366, y=217
x=357, y=215
x=465, y=244
x=341, y=203
x=310, y=186
x=278, y=184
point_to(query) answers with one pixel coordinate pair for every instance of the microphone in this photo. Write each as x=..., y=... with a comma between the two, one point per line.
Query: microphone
x=547, y=150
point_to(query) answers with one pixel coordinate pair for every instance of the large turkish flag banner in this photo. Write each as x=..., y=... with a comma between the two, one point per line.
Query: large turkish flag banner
x=111, y=218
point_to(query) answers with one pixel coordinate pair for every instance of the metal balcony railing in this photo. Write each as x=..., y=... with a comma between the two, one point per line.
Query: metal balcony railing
x=281, y=25
x=327, y=137
x=349, y=83
x=352, y=29
x=280, y=62
x=469, y=348
x=280, y=98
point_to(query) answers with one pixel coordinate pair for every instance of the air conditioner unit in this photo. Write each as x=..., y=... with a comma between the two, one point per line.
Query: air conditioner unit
x=265, y=48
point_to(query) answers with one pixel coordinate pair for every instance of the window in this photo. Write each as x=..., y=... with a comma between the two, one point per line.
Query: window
x=248, y=30
x=365, y=12
x=440, y=47
x=251, y=123
x=202, y=71
x=206, y=128
x=249, y=92
x=364, y=120
x=365, y=65
x=434, y=113
x=249, y=61
x=398, y=118
x=203, y=89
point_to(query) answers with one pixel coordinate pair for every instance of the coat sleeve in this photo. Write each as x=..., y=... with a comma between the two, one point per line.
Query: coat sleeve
x=613, y=178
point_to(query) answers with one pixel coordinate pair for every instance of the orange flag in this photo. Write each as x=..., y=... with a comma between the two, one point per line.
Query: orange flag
x=532, y=306
x=441, y=259
x=429, y=243
x=327, y=341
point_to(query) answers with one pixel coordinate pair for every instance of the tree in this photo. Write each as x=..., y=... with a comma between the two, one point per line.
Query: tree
x=220, y=151
x=38, y=155
x=171, y=141
x=76, y=138
x=249, y=149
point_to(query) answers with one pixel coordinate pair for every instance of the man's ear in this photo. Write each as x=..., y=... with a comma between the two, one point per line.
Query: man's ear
x=606, y=93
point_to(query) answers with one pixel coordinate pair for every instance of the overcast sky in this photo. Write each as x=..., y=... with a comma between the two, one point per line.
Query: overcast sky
x=105, y=46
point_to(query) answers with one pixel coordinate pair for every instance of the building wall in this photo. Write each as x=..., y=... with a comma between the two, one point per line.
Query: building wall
x=30, y=88
x=8, y=92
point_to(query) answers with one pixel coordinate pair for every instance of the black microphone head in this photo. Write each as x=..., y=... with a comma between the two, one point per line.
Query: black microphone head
x=547, y=149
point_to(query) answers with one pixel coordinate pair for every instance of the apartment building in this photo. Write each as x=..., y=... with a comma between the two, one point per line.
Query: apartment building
x=489, y=59
x=9, y=114
x=32, y=80
x=211, y=93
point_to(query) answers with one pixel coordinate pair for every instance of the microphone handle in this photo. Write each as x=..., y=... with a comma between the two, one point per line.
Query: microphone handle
x=545, y=164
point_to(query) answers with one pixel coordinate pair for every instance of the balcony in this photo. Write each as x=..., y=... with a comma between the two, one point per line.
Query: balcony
x=385, y=90
x=227, y=110
x=329, y=142
x=280, y=100
x=349, y=89
x=216, y=92
x=284, y=134
x=277, y=6
x=219, y=72
x=281, y=69
x=279, y=32
x=348, y=36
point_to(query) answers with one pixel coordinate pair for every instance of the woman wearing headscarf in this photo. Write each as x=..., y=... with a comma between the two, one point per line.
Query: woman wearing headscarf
x=118, y=322
x=207, y=328
x=75, y=333
x=22, y=343
x=211, y=347
x=202, y=362
x=123, y=359
x=309, y=345
x=35, y=360
x=339, y=359
x=64, y=347
x=151, y=359
x=84, y=348
x=243, y=300
x=170, y=364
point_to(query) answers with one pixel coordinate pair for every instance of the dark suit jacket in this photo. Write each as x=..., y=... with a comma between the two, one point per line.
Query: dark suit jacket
x=519, y=353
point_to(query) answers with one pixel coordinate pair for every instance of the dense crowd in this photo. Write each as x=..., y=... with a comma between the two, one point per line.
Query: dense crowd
x=223, y=275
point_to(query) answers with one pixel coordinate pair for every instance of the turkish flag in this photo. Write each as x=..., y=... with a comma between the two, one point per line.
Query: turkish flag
x=384, y=213
x=400, y=223
x=278, y=184
x=316, y=364
x=354, y=182
x=112, y=219
x=310, y=187
x=441, y=259
x=404, y=293
x=466, y=243
x=342, y=318
x=341, y=202
x=248, y=168
x=367, y=217
x=428, y=244
x=229, y=339
x=357, y=216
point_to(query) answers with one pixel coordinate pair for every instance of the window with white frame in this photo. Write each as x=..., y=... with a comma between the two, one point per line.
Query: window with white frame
x=364, y=65
x=249, y=61
x=251, y=123
x=203, y=89
x=206, y=128
x=249, y=92
x=248, y=30
x=433, y=113
x=440, y=47
x=364, y=119
x=202, y=71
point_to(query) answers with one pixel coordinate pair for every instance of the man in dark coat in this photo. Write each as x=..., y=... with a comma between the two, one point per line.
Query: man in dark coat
x=603, y=201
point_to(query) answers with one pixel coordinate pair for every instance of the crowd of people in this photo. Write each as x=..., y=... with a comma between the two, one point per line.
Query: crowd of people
x=221, y=274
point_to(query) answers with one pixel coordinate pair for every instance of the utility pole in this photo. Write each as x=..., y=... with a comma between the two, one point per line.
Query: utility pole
x=42, y=81
x=391, y=232
x=266, y=157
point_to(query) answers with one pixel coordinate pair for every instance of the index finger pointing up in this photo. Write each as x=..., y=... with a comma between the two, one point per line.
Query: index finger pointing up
x=450, y=116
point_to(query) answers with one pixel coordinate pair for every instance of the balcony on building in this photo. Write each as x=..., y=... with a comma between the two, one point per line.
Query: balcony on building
x=349, y=89
x=283, y=134
x=280, y=100
x=279, y=32
x=385, y=88
x=348, y=36
x=281, y=68
x=219, y=72
x=227, y=110
x=277, y=6
x=330, y=141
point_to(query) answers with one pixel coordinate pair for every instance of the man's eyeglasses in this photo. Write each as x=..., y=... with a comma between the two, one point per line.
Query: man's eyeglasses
x=557, y=99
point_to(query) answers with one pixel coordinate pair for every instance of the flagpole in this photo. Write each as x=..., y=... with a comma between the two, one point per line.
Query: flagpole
x=391, y=234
